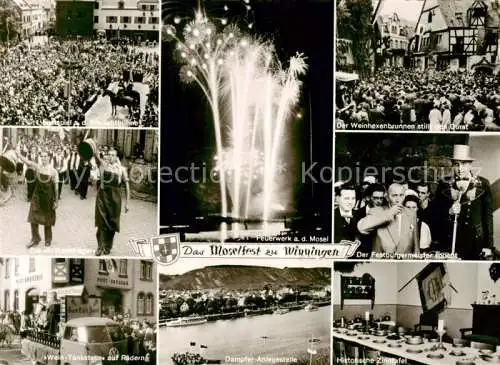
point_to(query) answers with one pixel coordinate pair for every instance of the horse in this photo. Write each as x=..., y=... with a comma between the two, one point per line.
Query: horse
x=122, y=99
x=7, y=186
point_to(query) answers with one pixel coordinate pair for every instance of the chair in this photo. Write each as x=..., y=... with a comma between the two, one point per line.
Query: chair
x=339, y=350
x=465, y=332
x=481, y=346
x=371, y=354
x=353, y=352
x=461, y=341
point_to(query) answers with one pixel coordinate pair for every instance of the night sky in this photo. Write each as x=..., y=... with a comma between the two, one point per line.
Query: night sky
x=187, y=131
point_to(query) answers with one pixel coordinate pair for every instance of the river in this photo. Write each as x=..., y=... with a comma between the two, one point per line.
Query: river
x=272, y=336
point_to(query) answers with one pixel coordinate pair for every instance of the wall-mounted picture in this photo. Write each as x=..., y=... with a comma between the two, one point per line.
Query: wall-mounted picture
x=431, y=281
x=419, y=313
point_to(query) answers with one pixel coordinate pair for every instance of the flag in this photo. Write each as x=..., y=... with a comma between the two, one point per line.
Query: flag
x=141, y=247
x=111, y=265
x=314, y=340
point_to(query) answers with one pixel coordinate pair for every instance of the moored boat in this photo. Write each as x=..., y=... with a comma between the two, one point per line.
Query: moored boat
x=186, y=321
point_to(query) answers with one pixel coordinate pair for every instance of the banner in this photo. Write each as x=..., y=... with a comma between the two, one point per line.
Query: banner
x=164, y=245
x=329, y=251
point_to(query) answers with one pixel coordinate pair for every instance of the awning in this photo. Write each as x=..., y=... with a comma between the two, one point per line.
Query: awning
x=67, y=290
x=346, y=76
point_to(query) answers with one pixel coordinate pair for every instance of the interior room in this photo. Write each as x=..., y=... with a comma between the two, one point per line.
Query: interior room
x=426, y=313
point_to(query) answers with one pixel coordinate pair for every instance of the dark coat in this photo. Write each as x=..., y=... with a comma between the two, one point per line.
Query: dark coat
x=344, y=230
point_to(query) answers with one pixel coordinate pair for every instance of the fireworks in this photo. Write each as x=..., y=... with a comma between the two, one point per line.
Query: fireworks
x=251, y=95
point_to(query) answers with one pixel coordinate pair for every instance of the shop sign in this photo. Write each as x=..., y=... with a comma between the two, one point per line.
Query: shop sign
x=30, y=279
x=82, y=306
x=113, y=282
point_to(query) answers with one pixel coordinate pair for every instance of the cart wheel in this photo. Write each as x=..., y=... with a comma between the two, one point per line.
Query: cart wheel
x=5, y=195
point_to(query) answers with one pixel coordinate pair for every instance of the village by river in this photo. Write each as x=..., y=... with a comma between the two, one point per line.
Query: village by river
x=271, y=336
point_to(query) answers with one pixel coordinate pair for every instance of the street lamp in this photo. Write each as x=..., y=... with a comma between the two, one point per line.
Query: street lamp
x=70, y=64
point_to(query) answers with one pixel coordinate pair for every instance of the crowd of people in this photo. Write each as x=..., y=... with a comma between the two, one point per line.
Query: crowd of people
x=10, y=323
x=188, y=358
x=408, y=219
x=34, y=80
x=434, y=100
x=45, y=318
x=47, y=163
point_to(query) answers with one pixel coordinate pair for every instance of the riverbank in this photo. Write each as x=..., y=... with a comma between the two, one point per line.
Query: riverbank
x=250, y=312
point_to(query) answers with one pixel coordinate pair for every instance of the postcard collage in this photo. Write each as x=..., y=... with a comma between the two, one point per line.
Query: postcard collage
x=249, y=181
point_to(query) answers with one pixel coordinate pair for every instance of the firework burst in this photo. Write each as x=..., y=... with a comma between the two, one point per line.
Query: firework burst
x=251, y=95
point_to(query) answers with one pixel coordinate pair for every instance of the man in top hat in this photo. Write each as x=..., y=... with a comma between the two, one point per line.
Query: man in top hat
x=393, y=227
x=466, y=198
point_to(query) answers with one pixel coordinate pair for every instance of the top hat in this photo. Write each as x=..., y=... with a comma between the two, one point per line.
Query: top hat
x=461, y=153
x=370, y=179
x=8, y=161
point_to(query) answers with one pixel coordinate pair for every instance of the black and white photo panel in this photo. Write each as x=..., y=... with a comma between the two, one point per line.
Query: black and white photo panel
x=77, y=65
x=418, y=196
x=247, y=88
x=410, y=65
x=68, y=191
x=63, y=310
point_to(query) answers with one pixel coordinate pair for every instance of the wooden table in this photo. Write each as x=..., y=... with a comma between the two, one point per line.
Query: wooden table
x=448, y=359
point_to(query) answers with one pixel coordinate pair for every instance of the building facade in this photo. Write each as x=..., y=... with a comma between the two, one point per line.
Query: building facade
x=32, y=17
x=135, y=19
x=456, y=35
x=125, y=286
x=21, y=281
x=128, y=140
x=74, y=18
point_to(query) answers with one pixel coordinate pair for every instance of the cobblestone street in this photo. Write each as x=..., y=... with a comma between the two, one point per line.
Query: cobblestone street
x=12, y=354
x=99, y=115
x=13, y=357
x=74, y=231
